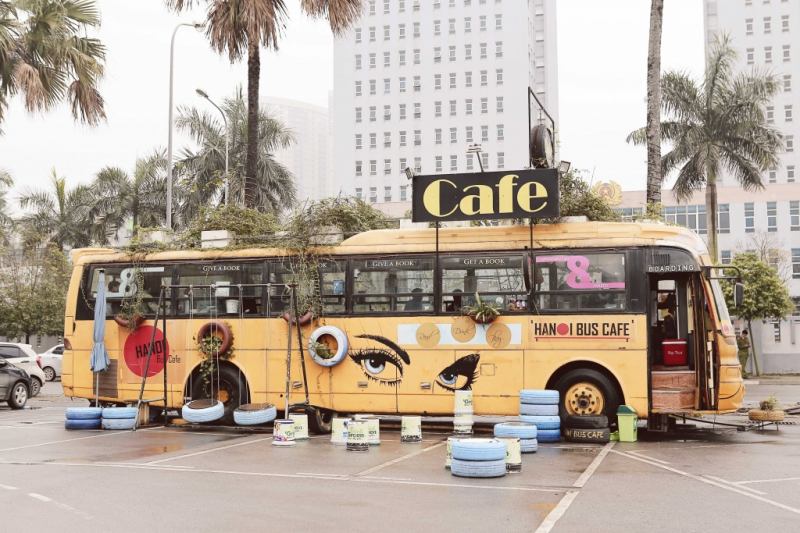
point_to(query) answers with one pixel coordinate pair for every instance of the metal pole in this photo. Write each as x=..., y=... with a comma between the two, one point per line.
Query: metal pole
x=166, y=344
x=300, y=348
x=289, y=353
x=227, y=140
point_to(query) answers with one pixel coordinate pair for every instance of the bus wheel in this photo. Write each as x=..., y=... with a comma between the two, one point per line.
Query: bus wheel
x=230, y=390
x=319, y=420
x=587, y=392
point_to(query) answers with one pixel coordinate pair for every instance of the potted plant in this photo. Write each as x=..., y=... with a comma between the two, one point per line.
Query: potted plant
x=767, y=411
x=321, y=349
x=481, y=312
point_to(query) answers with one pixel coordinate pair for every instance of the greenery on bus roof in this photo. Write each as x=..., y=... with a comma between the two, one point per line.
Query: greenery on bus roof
x=578, y=199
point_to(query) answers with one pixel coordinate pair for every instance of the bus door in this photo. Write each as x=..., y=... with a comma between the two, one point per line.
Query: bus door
x=706, y=360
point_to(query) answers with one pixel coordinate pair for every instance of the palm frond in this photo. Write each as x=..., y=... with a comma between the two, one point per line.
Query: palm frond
x=341, y=14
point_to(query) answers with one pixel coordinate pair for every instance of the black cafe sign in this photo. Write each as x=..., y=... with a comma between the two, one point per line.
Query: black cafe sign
x=530, y=193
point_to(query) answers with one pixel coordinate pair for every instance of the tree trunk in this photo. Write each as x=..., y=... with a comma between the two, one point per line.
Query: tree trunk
x=711, y=216
x=753, y=347
x=251, y=165
x=27, y=338
x=654, y=103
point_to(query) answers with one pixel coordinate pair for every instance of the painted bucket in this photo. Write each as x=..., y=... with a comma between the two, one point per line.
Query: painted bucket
x=463, y=402
x=373, y=428
x=357, y=436
x=513, y=454
x=411, y=429
x=283, y=433
x=462, y=424
x=449, y=457
x=300, y=426
x=339, y=431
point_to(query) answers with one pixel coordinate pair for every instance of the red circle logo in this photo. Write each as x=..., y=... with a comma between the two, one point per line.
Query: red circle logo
x=136, y=347
x=562, y=329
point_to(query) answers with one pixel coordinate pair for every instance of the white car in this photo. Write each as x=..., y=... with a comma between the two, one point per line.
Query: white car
x=51, y=362
x=23, y=356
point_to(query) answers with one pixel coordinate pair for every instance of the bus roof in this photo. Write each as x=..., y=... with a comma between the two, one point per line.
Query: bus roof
x=462, y=239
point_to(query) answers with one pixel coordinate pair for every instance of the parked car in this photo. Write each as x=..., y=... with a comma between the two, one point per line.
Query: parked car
x=23, y=356
x=51, y=362
x=15, y=385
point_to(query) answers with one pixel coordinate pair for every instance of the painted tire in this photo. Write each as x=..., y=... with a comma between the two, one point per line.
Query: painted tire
x=542, y=422
x=539, y=397
x=521, y=430
x=119, y=412
x=341, y=342
x=528, y=445
x=586, y=422
x=549, y=435
x=596, y=436
x=479, y=450
x=83, y=413
x=119, y=423
x=202, y=412
x=495, y=468
x=217, y=326
x=138, y=320
x=254, y=414
x=304, y=319
x=82, y=424
x=532, y=409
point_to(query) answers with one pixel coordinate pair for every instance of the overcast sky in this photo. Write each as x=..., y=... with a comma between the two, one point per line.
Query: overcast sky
x=602, y=57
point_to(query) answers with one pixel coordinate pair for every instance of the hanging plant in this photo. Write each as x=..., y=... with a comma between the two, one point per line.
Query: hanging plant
x=481, y=312
x=132, y=310
x=214, y=341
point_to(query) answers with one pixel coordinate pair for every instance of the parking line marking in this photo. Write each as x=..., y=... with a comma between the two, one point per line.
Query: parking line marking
x=557, y=512
x=400, y=459
x=583, y=478
x=776, y=480
x=39, y=497
x=715, y=478
x=203, y=452
x=27, y=446
x=7, y=487
x=642, y=454
x=737, y=490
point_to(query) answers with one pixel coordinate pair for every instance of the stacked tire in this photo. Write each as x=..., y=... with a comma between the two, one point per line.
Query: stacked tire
x=119, y=417
x=479, y=458
x=83, y=418
x=587, y=429
x=524, y=431
x=540, y=408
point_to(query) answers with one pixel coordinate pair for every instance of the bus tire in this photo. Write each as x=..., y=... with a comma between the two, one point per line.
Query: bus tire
x=590, y=391
x=217, y=325
x=83, y=413
x=319, y=420
x=538, y=410
x=341, y=345
x=586, y=422
x=231, y=390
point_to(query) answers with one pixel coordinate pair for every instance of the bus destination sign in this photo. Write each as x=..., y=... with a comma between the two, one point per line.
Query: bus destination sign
x=529, y=193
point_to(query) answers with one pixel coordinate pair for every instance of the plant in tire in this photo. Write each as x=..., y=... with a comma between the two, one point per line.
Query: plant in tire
x=210, y=346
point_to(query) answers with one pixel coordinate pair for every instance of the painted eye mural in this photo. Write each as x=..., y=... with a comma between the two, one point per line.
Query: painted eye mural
x=382, y=365
x=461, y=374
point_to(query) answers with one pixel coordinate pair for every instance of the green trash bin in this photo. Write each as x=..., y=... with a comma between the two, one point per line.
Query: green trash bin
x=627, y=420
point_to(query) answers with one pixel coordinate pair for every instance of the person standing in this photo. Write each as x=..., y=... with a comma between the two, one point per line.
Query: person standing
x=743, y=342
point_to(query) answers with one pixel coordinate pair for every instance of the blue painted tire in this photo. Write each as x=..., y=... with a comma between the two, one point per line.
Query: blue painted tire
x=461, y=468
x=83, y=413
x=119, y=423
x=479, y=450
x=542, y=422
x=528, y=445
x=119, y=412
x=521, y=430
x=80, y=423
x=549, y=435
x=204, y=414
x=255, y=417
x=539, y=397
x=532, y=409
x=341, y=345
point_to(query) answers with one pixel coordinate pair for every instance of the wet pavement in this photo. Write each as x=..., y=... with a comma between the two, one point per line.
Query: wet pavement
x=172, y=479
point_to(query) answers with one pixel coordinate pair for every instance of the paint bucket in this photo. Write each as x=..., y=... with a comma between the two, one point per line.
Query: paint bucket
x=513, y=455
x=462, y=424
x=373, y=428
x=449, y=458
x=339, y=431
x=283, y=433
x=357, y=436
x=300, y=426
x=463, y=402
x=231, y=306
x=411, y=429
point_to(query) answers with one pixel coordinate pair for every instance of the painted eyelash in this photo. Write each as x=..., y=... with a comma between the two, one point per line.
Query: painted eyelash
x=380, y=381
x=366, y=353
x=467, y=366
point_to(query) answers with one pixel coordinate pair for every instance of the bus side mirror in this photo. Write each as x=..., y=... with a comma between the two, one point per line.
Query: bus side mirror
x=738, y=294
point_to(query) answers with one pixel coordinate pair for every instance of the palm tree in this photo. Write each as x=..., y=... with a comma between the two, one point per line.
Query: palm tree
x=6, y=223
x=46, y=56
x=719, y=125
x=236, y=26
x=203, y=170
x=654, y=177
x=140, y=198
x=57, y=216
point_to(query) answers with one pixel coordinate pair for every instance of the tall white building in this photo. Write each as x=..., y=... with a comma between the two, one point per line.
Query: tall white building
x=309, y=157
x=418, y=81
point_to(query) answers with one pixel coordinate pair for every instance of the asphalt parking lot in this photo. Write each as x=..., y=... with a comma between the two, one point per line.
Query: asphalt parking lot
x=171, y=479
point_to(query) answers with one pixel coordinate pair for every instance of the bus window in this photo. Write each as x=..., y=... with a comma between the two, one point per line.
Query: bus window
x=124, y=282
x=572, y=282
x=332, y=277
x=497, y=278
x=401, y=284
x=225, y=300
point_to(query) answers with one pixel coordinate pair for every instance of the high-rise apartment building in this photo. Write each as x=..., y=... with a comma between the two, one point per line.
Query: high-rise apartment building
x=416, y=82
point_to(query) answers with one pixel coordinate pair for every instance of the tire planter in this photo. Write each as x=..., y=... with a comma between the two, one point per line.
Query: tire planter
x=521, y=430
x=759, y=415
x=542, y=422
x=138, y=320
x=341, y=345
x=83, y=413
x=586, y=422
x=210, y=328
x=528, y=445
x=118, y=423
x=595, y=436
x=539, y=397
x=119, y=412
x=304, y=319
x=531, y=409
x=479, y=450
x=496, y=468
x=549, y=435
x=82, y=424
x=199, y=411
x=253, y=414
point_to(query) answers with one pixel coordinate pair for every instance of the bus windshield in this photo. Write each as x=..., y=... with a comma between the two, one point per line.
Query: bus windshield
x=722, y=308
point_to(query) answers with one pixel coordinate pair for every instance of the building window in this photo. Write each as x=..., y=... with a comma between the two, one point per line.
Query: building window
x=784, y=23
x=387, y=139
x=790, y=173
x=484, y=78
x=437, y=135
x=358, y=61
x=767, y=54
x=402, y=111
x=387, y=86
x=385, y=7
x=451, y=26
x=417, y=84
x=468, y=106
x=417, y=138
x=484, y=105
x=373, y=140
x=789, y=142
x=468, y=79
x=402, y=83
x=401, y=31
x=767, y=24
x=794, y=215
x=372, y=34
x=416, y=30
x=498, y=22
x=416, y=5
x=417, y=164
x=484, y=134
x=437, y=81
x=373, y=195
x=358, y=141
x=371, y=7
x=748, y=26
x=499, y=76
x=437, y=108
x=725, y=257
x=787, y=53
x=776, y=330
x=372, y=113
x=484, y=50
x=500, y=132
x=772, y=216
x=770, y=114
x=787, y=112
x=387, y=167
x=499, y=104
x=501, y=160
x=359, y=193
x=453, y=135
x=796, y=263
x=467, y=52
x=453, y=163
x=386, y=33
x=416, y=56
x=469, y=134
x=452, y=56
x=469, y=162
x=417, y=110
x=401, y=58
x=372, y=87
x=787, y=83
x=483, y=22
x=358, y=88
x=452, y=108
x=373, y=167
x=403, y=193
x=372, y=63
x=723, y=218
x=750, y=54
x=498, y=49
x=402, y=137
x=452, y=80
x=468, y=24
x=437, y=54
x=772, y=175
x=437, y=27
x=402, y=164
x=358, y=114
x=358, y=168
x=485, y=160
x=358, y=35
x=688, y=216
x=438, y=164
x=749, y=217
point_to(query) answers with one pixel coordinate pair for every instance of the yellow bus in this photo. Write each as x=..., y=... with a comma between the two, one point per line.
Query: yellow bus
x=606, y=313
